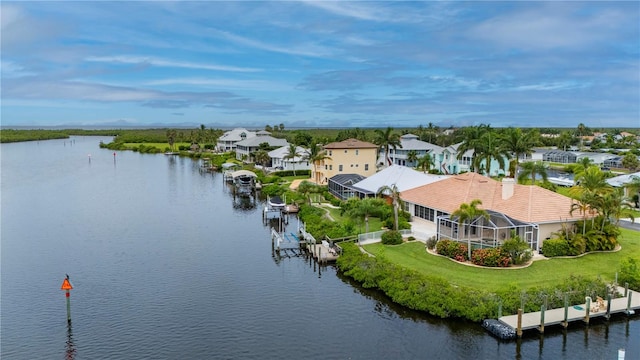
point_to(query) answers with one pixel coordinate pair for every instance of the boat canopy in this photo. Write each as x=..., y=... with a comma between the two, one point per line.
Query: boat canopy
x=243, y=173
x=229, y=165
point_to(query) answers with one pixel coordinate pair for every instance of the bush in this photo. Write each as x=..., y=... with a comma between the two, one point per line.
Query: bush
x=518, y=250
x=555, y=247
x=492, y=257
x=452, y=249
x=391, y=237
x=431, y=242
x=629, y=273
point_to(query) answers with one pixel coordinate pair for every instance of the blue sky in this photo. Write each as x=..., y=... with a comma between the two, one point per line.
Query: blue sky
x=321, y=64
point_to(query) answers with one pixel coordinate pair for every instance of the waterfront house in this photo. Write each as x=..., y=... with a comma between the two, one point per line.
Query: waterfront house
x=350, y=156
x=228, y=140
x=281, y=161
x=535, y=213
x=245, y=148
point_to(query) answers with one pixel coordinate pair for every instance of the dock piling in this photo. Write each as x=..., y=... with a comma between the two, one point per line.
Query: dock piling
x=542, y=309
x=519, y=328
x=588, y=308
x=565, y=323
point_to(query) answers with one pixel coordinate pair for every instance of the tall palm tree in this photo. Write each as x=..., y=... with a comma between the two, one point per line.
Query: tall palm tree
x=583, y=207
x=292, y=153
x=412, y=157
x=465, y=214
x=581, y=131
x=393, y=193
x=591, y=181
x=425, y=163
x=386, y=139
x=491, y=148
x=471, y=140
x=564, y=140
x=171, y=137
x=518, y=143
x=262, y=158
x=531, y=169
x=582, y=165
x=316, y=155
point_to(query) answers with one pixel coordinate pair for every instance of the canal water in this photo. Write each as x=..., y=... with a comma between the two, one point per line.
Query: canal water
x=166, y=264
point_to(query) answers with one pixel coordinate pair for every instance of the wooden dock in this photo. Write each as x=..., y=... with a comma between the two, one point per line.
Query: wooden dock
x=323, y=252
x=581, y=312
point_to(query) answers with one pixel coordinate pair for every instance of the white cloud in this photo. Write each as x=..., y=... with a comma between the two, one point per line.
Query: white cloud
x=128, y=59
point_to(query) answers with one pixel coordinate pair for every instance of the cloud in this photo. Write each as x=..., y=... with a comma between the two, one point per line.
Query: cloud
x=305, y=49
x=148, y=60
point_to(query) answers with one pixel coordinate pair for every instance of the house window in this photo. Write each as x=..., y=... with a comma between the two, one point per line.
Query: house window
x=366, y=167
x=346, y=151
x=326, y=167
x=340, y=168
x=356, y=151
x=329, y=152
x=331, y=167
x=351, y=165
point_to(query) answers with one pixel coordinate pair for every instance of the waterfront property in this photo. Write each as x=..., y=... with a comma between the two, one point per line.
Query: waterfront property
x=535, y=211
x=228, y=140
x=246, y=147
x=280, y=159
x=350, y=156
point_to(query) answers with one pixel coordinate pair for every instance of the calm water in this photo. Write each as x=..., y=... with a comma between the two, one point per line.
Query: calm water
x=166, y=265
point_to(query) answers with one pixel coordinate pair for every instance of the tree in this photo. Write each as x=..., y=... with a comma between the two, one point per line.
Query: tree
x=465, y=214
x=365, y=208
x=262, y=157
x=412, y=157
x=564, y=140
x=630, y=161
x=386, y=139
x=393, y=193
x=491, y=148
x=471, y=140
x=306, y=188
x=531, y=169
x=316, y=154
x=292, y=153
x=171, y=137
x=518, y=143
x=581, y=131
x=425, y=163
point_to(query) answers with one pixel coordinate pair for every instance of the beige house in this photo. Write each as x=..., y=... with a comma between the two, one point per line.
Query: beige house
x=350, y=156
x=534, y=211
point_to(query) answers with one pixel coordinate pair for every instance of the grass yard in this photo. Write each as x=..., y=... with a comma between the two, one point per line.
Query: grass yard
x=413, y=255
x=375, y=223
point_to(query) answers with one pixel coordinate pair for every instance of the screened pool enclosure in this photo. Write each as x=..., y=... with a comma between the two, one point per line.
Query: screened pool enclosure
x=487, y=232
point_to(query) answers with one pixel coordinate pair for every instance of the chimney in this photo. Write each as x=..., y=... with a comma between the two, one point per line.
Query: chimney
x=508, y=185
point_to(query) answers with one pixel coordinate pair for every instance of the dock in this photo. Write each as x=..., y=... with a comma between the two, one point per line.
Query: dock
x=514, y=325
x=324, y=252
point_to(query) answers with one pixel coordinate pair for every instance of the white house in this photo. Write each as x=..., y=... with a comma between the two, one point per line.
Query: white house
x=280, y=160
x=246, y=147
x=228, y=140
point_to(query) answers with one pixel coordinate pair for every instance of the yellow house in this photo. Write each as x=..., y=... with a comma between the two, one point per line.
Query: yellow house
x=351, y=156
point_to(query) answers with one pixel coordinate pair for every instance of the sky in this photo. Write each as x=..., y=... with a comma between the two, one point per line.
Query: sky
x=320, y=63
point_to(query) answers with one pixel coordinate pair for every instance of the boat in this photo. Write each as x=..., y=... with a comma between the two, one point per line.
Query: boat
x=561, y=181
x=244, y=182
x=228, y=169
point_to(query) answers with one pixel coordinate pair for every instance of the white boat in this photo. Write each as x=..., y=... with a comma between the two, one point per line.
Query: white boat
x=561, y=181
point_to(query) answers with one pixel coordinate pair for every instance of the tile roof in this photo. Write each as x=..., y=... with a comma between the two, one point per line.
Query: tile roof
x=529, y=203
x=351, y=144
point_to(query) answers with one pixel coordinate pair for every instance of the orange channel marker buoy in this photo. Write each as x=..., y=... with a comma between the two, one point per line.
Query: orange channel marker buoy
x=66, y=286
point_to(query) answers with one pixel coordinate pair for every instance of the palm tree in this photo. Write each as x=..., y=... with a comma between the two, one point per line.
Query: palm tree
x=467, y=212
x=591, y=181
x=426, y=162
x=581, y=131
x=171, y=138
x=292, y=153
x=471, y=141
x=583, y=207
x=633, y=187
x=393, y=193
x=306, y=188
x=262, y=157
x=364, y=208
x=518, y=143
x=531, y=169
x=491, y=148
x=386, y=139
x=316, y=155
x=582, y=165
x=412, y=157
x=565, y=139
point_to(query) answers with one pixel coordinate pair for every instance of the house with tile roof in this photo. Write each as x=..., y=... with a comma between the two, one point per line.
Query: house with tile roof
x=351, y=156
x=535, y=213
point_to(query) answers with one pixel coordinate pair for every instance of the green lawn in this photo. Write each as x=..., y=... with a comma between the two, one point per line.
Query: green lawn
x=375, y=224
x=413, y=255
